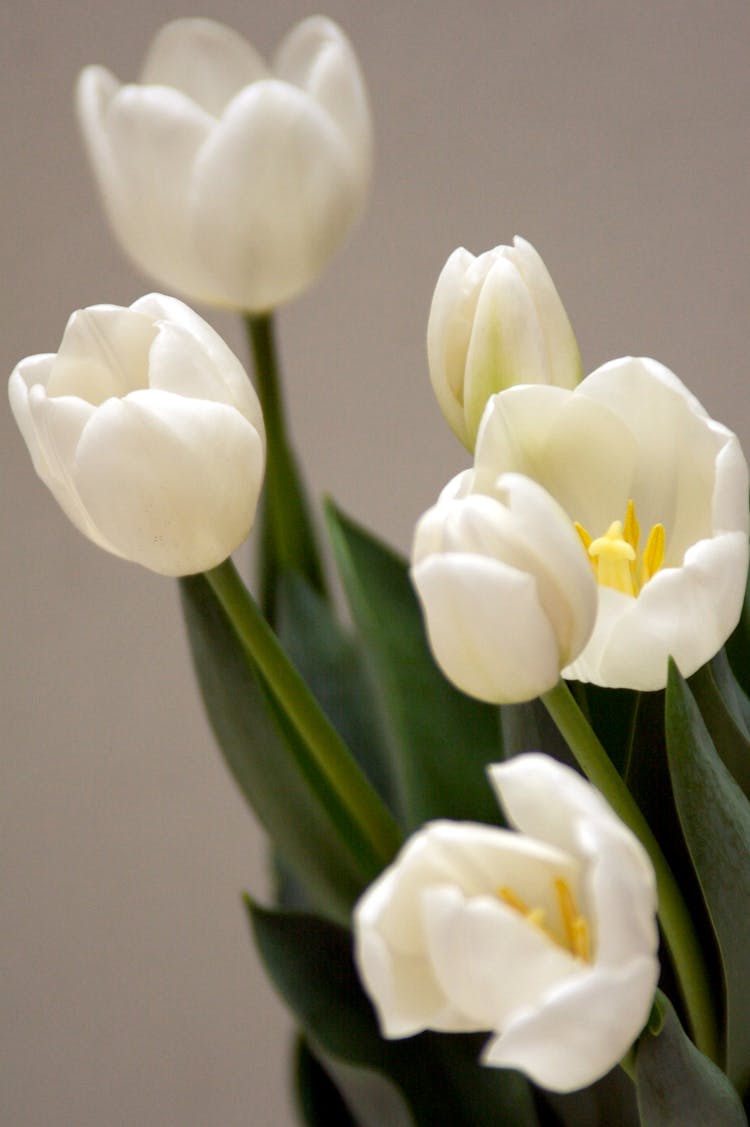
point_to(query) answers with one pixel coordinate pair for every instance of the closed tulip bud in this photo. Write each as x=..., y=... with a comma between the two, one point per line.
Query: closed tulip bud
x=146, y=430
x=224, y=178
x=495, y=321
x=505, y=586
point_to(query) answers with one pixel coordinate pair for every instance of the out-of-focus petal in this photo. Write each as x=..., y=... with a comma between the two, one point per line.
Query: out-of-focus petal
x=272, y=194
x=205, y=60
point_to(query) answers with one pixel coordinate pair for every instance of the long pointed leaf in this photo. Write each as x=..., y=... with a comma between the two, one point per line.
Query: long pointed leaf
x=678, y=1085
x=260, y=751
x=330, y=661
x=715, y=819
x=442, y=740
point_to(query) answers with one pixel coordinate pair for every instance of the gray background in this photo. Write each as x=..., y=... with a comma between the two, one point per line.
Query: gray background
x=614, y=135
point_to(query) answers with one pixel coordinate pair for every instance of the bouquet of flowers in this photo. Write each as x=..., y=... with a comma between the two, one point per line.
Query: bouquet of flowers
x=507, y=792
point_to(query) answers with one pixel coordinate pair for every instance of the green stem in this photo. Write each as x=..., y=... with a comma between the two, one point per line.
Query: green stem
x=288, y=540
x=352, y=803
x=673, y=914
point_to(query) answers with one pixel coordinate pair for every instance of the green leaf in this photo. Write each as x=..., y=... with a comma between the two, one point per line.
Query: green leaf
x=441, y=739
x=310, y=962
x=319, y=1100
x=715, y=819
x=718, y=697
x=330, y=661
x=264, y=756
x=677, y=1085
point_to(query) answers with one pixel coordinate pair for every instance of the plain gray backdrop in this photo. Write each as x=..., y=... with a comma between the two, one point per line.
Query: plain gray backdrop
x=611, y=133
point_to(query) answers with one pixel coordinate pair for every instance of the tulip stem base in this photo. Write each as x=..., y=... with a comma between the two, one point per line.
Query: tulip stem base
x=674, y=917
x=287, y=532
x=351, y=803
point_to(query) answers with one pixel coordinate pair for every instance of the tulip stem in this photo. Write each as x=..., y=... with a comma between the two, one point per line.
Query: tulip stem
x=287, y=540
x=326, y=762
x=676, y=923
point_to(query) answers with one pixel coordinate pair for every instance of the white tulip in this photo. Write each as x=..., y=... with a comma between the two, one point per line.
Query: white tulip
x=147, y=431
x=659, y=493
x=226, y=179
x=505, y=586
x=546, y=937
x=495, y=321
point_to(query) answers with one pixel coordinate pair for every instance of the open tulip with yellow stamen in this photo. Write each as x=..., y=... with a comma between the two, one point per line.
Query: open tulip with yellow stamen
x=658, y=493
x=547, y=937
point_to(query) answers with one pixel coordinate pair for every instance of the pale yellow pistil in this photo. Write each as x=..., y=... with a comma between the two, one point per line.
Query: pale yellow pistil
x=614, y=556
x=575, y=928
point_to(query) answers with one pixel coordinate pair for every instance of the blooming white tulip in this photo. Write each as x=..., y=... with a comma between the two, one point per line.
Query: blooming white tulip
x=658, y=491
x=147, y=431
x=505, y=586
x=545, y=937
x=226, y=179
x=495, y=321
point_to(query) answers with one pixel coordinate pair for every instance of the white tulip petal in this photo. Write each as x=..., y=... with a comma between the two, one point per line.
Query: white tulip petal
x=448, y=336
x=154, y=134
x=150, y=467
x=545, y=799
x=272, y=194
x=730, y=487
x=487, y=628
x=562, y=355
x=317, y=57
x=488, y=959
x=33, y=370
x=205, y=60
x=406, y=995
x=59, y=423
x=686, y=613
x=103, y=353
x=619, y=877
x=507, y=344
x=582, y=1030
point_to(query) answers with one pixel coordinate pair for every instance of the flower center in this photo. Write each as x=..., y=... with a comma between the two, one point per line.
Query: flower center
x=575, y=928
x=614, y=556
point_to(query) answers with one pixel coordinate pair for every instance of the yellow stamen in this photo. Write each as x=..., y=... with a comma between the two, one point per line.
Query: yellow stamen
x=632, y=533
x=653, y=556
x=615, y=557
x=508, y=896
x=575, y=927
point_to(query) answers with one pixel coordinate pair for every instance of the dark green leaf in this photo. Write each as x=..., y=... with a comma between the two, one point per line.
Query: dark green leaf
x=331, y=664
x=718, y=698
x=310, y=962
x=319, y=1100
x=442, y=740
x=678, y=1086
x=260, y=751
x=715, y=818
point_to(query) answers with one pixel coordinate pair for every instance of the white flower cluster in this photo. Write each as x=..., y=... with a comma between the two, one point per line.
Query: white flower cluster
x=632, y=548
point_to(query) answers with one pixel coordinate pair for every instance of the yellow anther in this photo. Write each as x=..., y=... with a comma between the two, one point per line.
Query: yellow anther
x=581, y=942
x=615, y=558
x=632, y=530
x=508, y=896
x=575, y=930
x=653, y=556
x=575, y=926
